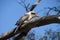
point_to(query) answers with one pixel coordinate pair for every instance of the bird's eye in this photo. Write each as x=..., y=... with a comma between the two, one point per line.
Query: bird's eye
x=32, y=13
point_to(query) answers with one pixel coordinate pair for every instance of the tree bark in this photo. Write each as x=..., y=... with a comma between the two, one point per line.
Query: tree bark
x=35, y=23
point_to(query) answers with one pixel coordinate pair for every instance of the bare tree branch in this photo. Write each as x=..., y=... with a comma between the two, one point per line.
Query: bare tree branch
x=34, y=5
x=55, y=9
x=22, y=3
x=49, y=11
x=35, y=23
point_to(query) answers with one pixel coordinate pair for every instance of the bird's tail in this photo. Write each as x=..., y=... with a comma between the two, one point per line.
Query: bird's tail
x=18, y=25
x=16, y=29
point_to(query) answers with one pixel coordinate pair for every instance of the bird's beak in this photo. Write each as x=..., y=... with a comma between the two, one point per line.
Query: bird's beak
x=36, y=15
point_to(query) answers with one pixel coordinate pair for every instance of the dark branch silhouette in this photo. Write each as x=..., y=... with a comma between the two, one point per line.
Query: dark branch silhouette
x=55, y=9
x=27, y=8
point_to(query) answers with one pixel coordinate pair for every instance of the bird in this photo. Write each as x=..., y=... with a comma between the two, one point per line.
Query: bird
x=25, y=18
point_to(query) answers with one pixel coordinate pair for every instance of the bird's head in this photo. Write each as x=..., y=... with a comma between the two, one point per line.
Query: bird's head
x=32, y=14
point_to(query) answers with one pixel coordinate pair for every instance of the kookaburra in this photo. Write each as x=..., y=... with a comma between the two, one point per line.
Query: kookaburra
x=25, y=18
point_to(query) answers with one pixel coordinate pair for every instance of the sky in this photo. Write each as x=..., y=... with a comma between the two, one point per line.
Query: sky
x=11, y=11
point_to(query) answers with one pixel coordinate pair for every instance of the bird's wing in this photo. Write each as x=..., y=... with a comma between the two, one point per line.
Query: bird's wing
x=22, y=19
